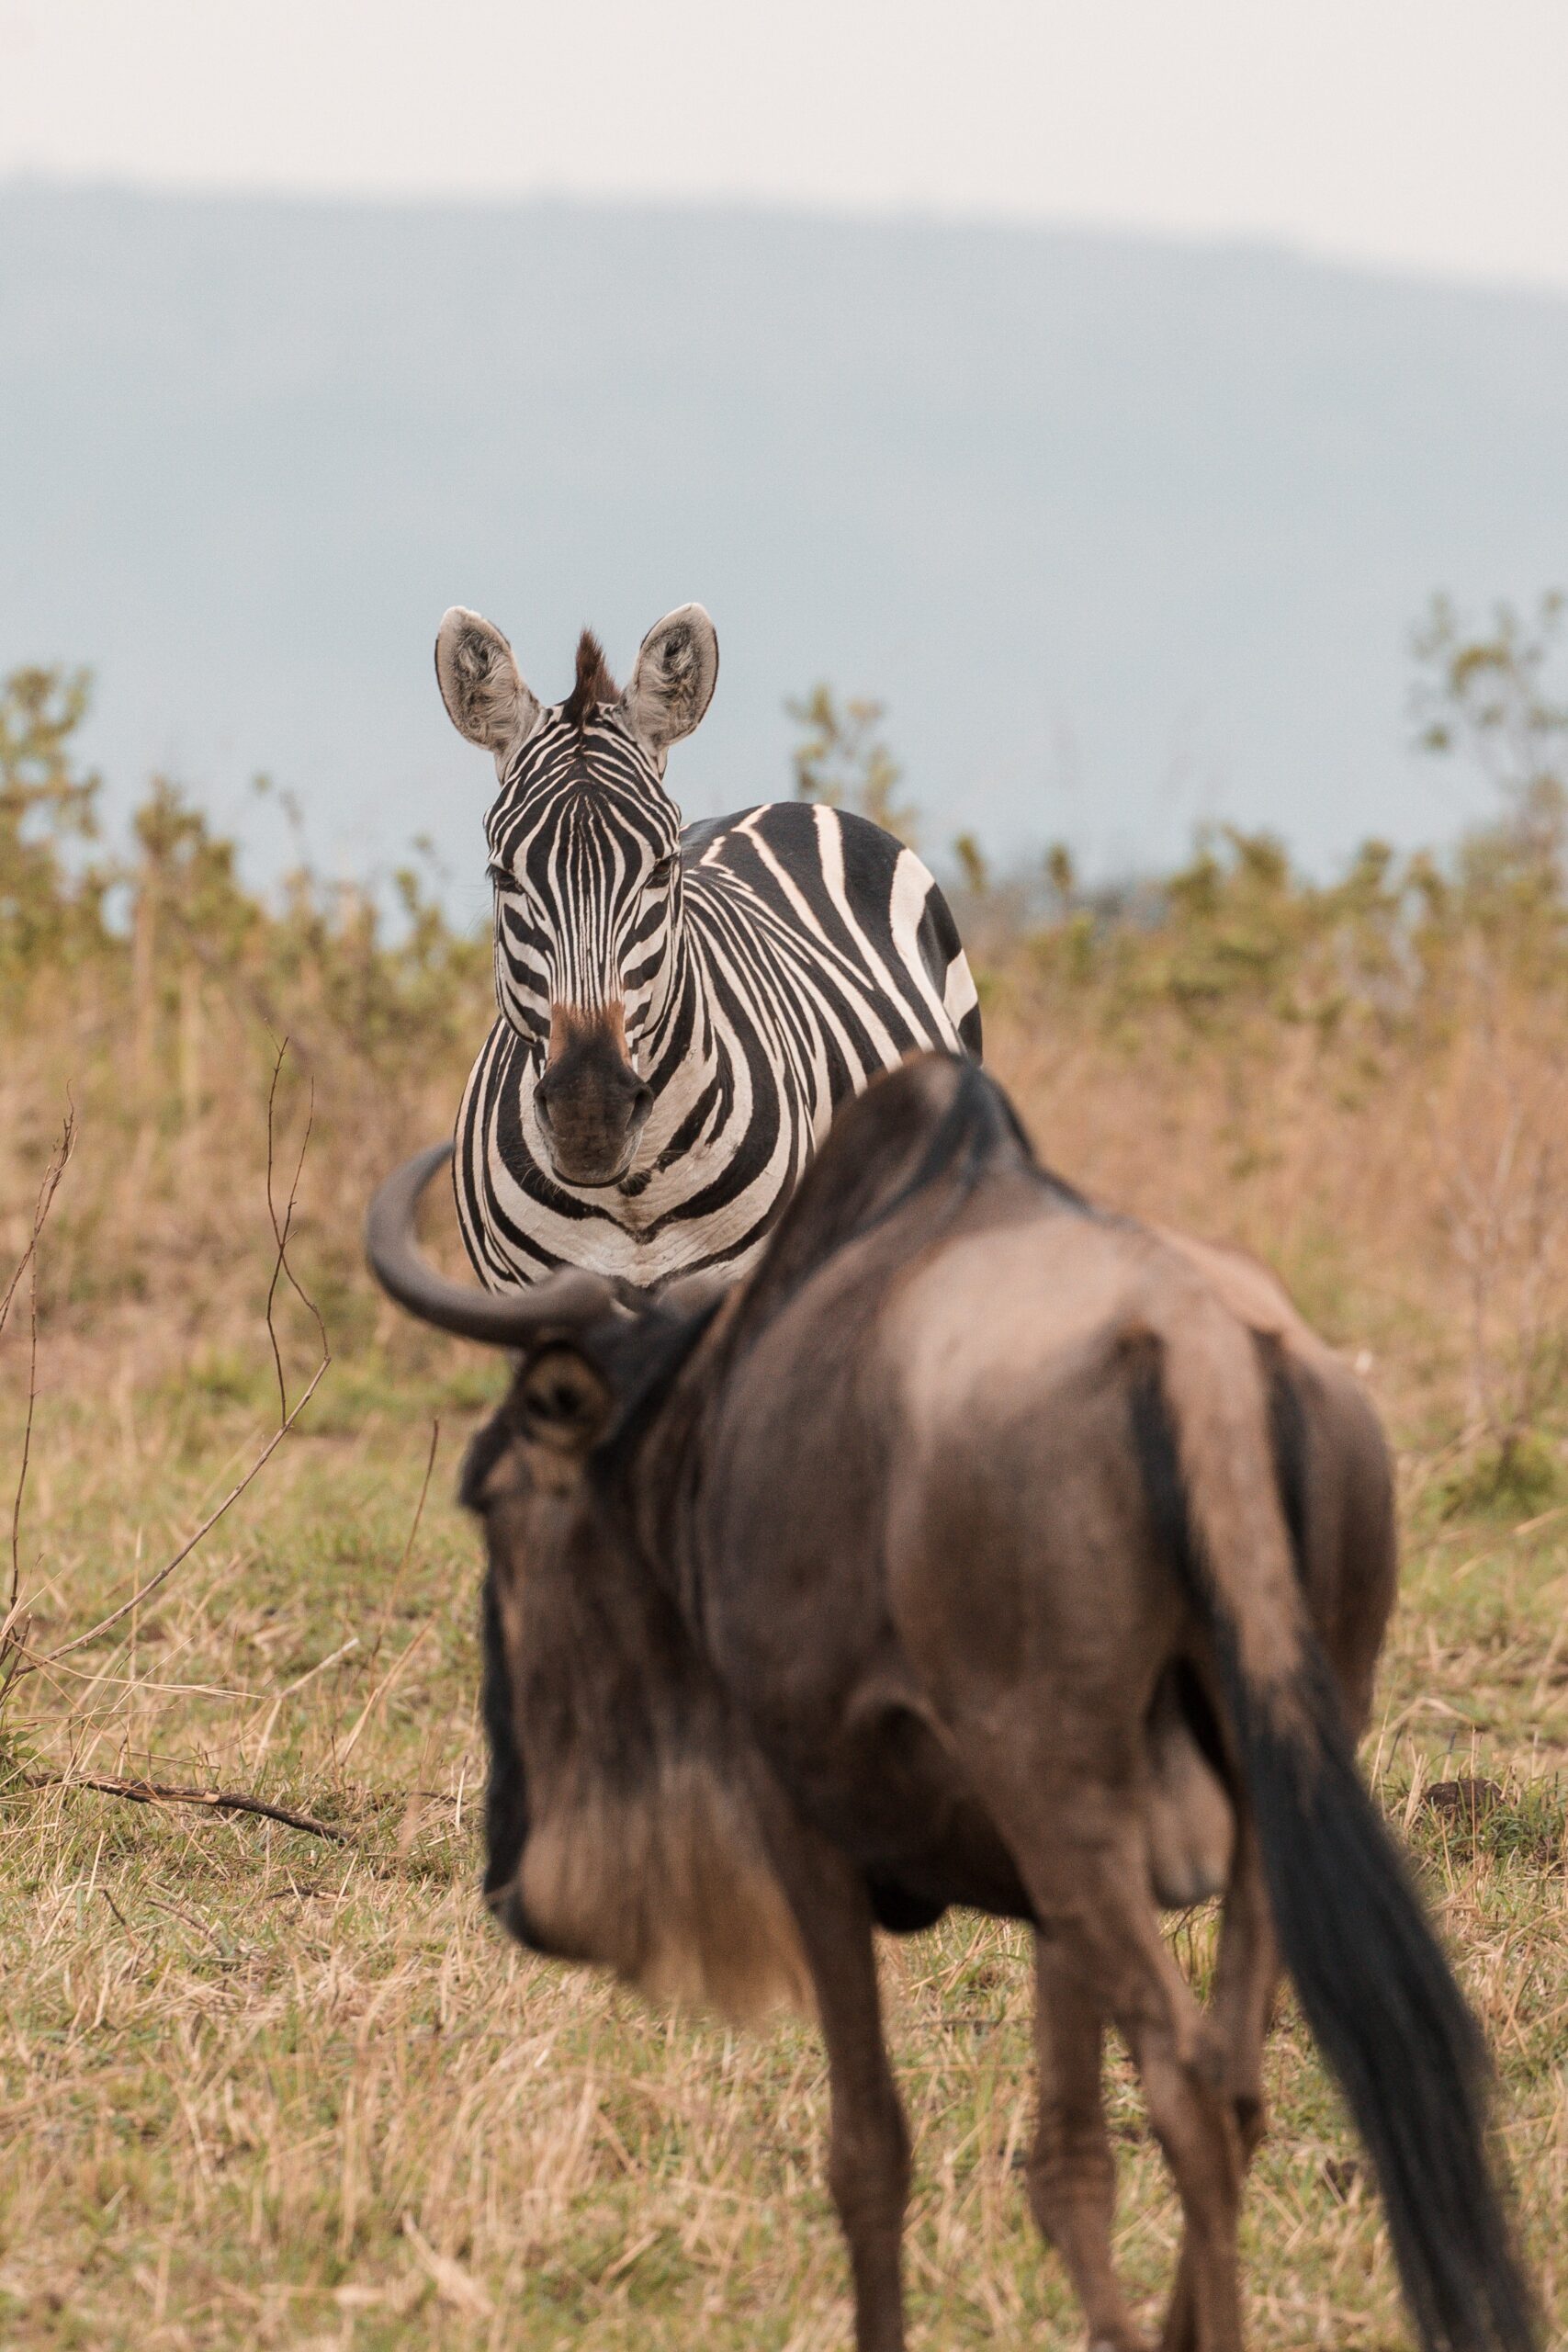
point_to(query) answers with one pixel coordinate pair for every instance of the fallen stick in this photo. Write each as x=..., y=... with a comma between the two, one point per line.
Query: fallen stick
x=216, y=1799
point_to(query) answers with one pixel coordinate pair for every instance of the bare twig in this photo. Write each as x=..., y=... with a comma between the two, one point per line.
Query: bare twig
x=27, y=1454
x=281, y=1268
x=392, y=1675
x=124, y=1922
x=207, y=1524
x=280, y=1234
x=299, y=1683
x=396, y=1586
x=216, y=1799
x=47, y=1189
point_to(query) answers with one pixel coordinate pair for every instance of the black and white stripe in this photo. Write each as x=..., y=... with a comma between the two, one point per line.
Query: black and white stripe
x=761, y=968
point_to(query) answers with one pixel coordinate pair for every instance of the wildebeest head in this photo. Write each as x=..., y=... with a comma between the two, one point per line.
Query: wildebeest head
x=623, y=1822
x=584, y=857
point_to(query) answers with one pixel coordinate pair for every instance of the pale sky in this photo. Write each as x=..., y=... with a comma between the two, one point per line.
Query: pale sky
x=1424, y=134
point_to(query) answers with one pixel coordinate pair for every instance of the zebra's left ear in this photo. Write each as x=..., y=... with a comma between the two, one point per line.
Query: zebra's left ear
x=672, y=678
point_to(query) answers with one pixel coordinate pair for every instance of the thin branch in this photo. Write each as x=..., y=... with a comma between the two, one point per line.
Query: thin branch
x=124, y=1922
x=47, y=1189
x=280, y=1234
x=27, y=1454
x=392, y=1676
x=396, y=1586
x=278, y=1238
x=216, y=1799
x=281, y=1268
x=207, y=1524
x=142, y=1682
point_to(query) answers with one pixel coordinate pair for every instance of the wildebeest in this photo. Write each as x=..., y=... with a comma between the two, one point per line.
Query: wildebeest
x=983, y=1548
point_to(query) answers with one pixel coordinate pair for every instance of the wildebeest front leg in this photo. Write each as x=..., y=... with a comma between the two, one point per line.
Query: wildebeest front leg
x=1071, y=2170
x=868, y=2156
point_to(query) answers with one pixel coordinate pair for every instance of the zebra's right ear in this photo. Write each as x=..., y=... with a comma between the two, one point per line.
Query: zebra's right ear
x=480, y=684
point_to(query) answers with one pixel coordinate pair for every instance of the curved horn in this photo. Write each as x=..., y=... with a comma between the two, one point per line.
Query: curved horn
x=567, y=1302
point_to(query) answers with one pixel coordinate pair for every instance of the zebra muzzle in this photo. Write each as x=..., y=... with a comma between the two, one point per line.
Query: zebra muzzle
x=589, y=1102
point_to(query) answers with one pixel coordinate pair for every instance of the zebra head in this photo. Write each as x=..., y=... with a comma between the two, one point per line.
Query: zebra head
x=584, y=849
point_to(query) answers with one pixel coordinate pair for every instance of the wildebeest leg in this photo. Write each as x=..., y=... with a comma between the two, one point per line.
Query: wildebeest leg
x=1246, y=1972
x=1071, y=2171
x=868, y=2151
x=1078, y=1842
x=1181, y=2069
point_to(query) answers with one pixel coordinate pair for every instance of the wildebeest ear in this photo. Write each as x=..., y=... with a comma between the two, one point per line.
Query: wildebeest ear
x=481, y=684
x=672, y=678
x=566, y=1403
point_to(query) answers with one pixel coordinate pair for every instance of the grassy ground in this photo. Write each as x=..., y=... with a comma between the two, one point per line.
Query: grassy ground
x=263, y=2087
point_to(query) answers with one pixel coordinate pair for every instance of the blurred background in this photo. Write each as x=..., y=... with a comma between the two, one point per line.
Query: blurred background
x=1103, y=388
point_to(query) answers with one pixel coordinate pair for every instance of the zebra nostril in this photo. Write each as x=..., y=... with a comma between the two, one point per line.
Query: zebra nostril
x=622, y=1095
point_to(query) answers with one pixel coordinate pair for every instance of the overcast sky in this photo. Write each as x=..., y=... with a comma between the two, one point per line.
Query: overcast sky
x=1422, y=133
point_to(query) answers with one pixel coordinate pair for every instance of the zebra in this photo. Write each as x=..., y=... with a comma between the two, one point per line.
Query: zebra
x=679, y=1012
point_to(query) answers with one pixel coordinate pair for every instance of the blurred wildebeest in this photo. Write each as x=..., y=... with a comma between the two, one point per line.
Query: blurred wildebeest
x=983, y=1548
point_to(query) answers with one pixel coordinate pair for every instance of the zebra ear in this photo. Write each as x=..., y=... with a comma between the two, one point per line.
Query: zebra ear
x=484, y=693
x=672, y=678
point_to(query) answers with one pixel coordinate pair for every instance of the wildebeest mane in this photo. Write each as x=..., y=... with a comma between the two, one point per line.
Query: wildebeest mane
x=890, y=1147
x=896, y=1144
x=978, y=1127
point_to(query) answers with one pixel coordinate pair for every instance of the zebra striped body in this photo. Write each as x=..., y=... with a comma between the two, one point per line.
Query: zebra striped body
x=725, y=989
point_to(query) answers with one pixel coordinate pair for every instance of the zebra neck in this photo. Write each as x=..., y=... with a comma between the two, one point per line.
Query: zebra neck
x=685, y=1024
x=690, y=1052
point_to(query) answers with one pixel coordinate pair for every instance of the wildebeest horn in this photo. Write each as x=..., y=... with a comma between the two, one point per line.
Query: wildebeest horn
x=567, y=1301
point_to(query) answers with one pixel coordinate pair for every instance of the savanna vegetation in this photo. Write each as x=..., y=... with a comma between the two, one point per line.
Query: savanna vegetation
x=276, y=2081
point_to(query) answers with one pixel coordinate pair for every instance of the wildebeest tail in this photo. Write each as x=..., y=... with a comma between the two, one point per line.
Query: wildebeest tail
x=1377, y=1993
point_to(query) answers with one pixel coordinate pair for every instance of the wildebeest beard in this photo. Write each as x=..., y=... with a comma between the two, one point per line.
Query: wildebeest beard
x=621, y=1817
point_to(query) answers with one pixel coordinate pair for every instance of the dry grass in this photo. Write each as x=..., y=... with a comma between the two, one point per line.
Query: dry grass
x=260, y=2088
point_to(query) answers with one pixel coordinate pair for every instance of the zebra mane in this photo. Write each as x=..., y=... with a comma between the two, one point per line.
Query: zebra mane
x=594, y=683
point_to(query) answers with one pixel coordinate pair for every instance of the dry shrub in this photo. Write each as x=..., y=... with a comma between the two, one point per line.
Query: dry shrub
x=1365, y=1085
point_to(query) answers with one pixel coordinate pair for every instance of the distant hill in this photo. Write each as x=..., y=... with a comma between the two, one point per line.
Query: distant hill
x=1124, y=534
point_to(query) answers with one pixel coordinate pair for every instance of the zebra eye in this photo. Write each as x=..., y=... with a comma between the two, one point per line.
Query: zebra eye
x=501, y=877
x=659, y=874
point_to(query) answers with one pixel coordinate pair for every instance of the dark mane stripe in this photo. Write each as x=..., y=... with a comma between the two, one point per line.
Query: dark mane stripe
x=594, y=683
x=860, y=1180
x=929, y=1128
x=978, y=1125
